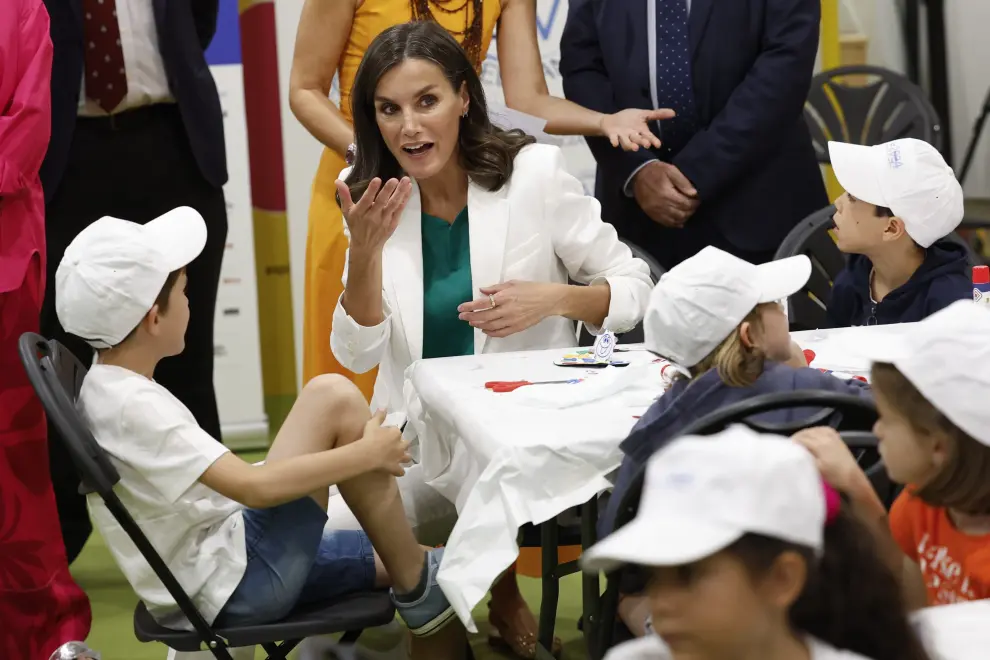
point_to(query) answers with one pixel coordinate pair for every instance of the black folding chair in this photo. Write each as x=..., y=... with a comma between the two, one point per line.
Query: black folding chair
x=856, y=416
x=57, y=376
x=810, y=237
x=868, y=105
x=634, y=336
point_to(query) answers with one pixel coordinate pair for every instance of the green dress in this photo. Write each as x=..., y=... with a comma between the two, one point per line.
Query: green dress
x=446, y=284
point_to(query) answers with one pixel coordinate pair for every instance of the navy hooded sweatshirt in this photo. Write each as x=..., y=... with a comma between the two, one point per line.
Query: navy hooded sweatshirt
x=687, y=401
x=943, y=278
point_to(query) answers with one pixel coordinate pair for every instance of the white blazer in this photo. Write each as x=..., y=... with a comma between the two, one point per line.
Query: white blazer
x=540, y=227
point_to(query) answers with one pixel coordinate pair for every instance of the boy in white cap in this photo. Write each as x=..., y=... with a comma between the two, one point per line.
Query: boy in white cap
x=750, y=555
x=901, y=200
x=247, y=542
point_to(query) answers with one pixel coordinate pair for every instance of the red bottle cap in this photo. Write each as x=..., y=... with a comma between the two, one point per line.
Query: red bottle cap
x=981, y=274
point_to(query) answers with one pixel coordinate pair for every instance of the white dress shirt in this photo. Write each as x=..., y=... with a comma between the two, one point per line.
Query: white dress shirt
x=145, y=71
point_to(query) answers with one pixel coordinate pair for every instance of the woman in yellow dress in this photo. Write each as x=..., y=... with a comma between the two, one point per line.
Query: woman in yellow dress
x=333, y=36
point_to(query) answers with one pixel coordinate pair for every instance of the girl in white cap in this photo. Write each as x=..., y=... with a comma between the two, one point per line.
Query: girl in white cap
x=932, y=385
x=751, y=556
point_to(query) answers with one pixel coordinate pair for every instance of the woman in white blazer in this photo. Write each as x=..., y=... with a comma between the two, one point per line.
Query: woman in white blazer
x=466, y=248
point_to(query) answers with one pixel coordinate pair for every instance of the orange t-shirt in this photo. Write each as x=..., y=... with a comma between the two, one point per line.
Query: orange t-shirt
x=954, y=565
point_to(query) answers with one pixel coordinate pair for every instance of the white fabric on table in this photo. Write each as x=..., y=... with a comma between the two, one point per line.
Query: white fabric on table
x=956, y=632
x=837, y=349
x=504, y=462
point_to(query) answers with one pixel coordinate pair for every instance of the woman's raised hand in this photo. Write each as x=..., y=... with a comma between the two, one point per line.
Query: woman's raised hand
x=630, y=128
x=373, y=219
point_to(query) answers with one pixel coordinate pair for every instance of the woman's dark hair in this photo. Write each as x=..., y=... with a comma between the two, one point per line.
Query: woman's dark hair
x=850, y=600
x=486, y=152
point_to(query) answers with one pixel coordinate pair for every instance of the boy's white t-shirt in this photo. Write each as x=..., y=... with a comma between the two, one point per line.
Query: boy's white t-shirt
x=160, y=452
x=652, y=647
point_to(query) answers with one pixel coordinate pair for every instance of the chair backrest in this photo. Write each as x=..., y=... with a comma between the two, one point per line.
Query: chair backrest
x=858, y=416
x=868, y=105
x=810, y=237
x=56, y=376
x=635, y=335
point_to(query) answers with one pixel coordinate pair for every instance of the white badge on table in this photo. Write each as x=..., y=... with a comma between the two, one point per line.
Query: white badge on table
x=604, y=346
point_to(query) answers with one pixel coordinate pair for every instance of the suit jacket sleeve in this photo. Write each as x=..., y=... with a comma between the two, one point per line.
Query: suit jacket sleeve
x=205, y=16
x=590, y=249
x=358, y=348
x=769, y=99
x=586, y=82
x=26, y=115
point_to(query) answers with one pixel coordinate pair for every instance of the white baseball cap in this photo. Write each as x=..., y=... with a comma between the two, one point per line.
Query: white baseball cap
x=947, y=358
x=113, y=271
x=699, y=302
x=702, y=494
x=909, y=177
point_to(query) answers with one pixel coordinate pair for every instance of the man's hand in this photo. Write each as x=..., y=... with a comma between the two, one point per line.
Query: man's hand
x=665, y=194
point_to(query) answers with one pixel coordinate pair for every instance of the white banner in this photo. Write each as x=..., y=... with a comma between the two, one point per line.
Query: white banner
x=236, y=347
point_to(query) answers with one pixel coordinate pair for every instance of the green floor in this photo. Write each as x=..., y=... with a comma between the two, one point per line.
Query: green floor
x=113, y=605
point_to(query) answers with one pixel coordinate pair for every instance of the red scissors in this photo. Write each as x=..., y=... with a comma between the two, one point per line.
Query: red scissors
x=503, y=386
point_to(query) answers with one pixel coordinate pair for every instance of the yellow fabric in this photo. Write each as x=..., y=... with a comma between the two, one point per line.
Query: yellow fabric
x=325, y=242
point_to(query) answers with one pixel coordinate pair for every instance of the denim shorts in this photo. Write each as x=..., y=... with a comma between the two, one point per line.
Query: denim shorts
x=292, y=560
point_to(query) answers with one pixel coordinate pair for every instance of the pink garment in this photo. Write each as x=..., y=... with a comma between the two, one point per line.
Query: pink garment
x=25, y=127
x=41, y=607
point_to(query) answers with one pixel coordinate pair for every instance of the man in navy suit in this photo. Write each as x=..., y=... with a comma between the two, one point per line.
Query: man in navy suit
x=137, y=130
x=737, y=169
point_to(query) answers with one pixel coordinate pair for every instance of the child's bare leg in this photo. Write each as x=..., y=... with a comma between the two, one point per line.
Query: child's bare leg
x=329, y=411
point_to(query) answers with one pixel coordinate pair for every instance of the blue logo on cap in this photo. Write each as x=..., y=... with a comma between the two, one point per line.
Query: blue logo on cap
x=894, y=156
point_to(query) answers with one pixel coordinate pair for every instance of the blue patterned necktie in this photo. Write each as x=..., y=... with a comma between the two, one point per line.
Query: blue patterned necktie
x=673, y=82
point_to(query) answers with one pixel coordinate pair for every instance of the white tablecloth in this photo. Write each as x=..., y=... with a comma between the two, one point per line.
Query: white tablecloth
x=956, y=632
x=505, y=459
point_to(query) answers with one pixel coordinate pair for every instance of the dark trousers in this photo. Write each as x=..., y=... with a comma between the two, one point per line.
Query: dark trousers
x=136, y=166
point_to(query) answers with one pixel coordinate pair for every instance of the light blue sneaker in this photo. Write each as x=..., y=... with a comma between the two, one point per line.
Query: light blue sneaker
x=431, y=611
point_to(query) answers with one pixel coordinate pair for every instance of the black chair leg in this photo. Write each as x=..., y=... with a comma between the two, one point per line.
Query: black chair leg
x=280, y=651
x=609, y=606
x=549, y=541
x=350, y=637
x=590, y=584
x=221, y=653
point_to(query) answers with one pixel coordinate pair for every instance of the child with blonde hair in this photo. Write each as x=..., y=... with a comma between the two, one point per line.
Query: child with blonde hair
x=720, y=321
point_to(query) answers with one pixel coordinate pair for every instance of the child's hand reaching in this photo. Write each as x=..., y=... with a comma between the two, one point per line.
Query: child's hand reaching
x=836, y=463
x=386, y=445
